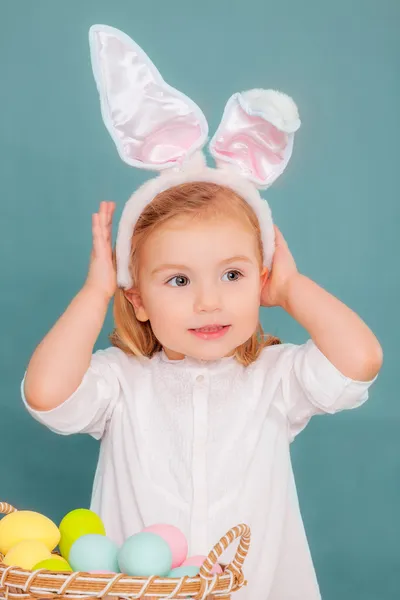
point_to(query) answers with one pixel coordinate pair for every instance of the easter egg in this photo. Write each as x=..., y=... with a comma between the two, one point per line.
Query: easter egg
x=189, y=571
x=198, y=560
x=77, y=523
x=26, y=554
x=94, y=552
x=52, y=564
x=27, y=525
x=145, y=554
x=174, y=538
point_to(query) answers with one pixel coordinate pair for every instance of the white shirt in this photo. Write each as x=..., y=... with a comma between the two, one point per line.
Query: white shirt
x=205, y=446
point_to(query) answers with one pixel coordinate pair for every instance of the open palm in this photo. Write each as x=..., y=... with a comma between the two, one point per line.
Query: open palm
x=102, y=275
x=283, y=268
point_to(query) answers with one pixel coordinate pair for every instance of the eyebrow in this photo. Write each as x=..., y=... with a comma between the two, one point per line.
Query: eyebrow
x=165, y=267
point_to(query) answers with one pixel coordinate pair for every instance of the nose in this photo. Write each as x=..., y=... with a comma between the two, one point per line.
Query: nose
x=207, y=299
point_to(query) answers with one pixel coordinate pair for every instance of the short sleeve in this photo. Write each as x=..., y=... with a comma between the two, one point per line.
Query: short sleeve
x=312, y=385
x=90, y=407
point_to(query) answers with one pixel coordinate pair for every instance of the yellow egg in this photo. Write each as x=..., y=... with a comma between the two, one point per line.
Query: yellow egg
x=27, y=525
x=26, y=554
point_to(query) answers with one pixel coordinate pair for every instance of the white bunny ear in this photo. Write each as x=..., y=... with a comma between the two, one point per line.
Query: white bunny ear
x=256, y=135
x=153, y=125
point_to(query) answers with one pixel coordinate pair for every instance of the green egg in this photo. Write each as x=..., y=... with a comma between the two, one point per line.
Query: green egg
x=52, y=564
x=77, y=523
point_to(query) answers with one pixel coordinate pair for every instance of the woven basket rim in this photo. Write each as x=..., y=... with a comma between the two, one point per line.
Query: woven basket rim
x=21, y=583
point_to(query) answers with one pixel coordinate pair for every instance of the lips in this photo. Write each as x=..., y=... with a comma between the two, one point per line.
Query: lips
x=209, y=328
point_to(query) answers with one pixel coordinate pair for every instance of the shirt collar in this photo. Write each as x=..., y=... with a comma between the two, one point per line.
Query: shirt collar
x=189, y=361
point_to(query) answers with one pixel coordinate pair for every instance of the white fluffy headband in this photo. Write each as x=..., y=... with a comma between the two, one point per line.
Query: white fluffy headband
x=156, y=127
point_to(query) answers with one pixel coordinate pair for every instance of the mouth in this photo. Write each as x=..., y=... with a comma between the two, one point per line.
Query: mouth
x=210, y=332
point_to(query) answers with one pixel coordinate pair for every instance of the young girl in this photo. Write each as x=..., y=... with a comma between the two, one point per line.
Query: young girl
x=194, y=406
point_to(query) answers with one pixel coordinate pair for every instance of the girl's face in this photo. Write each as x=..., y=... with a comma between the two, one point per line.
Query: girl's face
x=195, y=275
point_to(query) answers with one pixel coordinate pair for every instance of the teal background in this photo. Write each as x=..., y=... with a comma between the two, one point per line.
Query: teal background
x=337, y=205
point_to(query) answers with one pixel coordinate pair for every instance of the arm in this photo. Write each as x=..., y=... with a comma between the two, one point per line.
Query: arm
x=61, y=359
x=337, y=331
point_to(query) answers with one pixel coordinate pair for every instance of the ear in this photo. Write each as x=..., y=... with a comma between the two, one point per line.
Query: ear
x=133, y=296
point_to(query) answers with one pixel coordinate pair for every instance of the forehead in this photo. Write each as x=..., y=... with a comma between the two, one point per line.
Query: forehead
x=187, y=238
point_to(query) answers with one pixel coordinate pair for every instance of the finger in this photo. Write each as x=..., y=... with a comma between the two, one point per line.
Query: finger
x=94, y=232
x=108, y=222
x=110, y=212
x=95, y=223
x=98, y=238
x=103, y=219
x=100, y=212
x=102, y=207
x=104, y=210
x=279, y=239
x=96, y=228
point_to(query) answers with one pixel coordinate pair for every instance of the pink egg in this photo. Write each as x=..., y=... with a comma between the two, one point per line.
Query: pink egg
x=197, y=561
x=174, y=538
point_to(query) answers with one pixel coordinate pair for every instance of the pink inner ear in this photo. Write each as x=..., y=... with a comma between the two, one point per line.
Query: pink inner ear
x=251, y=142
x=169, y=142
x=153, y=125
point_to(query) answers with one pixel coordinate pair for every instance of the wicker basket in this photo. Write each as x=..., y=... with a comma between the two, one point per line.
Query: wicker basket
x=17, y=584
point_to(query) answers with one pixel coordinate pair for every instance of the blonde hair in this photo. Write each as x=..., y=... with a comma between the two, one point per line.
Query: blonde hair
x=195, y=200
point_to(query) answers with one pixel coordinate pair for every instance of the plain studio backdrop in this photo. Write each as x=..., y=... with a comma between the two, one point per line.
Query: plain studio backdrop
x=337, y=204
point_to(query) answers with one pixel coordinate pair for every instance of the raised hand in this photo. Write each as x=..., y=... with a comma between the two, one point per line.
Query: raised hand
x=284, y=268
x=102, y=275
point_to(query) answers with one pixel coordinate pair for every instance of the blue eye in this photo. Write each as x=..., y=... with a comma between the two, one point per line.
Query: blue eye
x=236, y=275
x=181, y=281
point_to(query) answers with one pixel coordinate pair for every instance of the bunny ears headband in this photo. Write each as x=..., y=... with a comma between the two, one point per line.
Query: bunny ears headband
x=156, y=127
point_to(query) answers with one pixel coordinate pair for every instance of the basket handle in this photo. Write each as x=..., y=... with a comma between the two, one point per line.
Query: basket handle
x=240, y=531
x=6, y=509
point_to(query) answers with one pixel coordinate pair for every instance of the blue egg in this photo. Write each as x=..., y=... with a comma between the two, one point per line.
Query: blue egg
x=94, y=552
x=145, y=554
x=189, y=570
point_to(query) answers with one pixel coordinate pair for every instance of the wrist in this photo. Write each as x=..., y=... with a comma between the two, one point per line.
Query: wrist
x=95, y=294
x=289, y=291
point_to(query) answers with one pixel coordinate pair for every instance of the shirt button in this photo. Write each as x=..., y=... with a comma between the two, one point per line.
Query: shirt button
x=200, y=378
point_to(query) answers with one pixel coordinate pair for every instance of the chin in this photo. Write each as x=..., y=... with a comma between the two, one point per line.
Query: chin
x=208, y=350
x=212, y=352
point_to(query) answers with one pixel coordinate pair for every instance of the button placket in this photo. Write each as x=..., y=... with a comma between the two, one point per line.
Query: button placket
x=199, y=466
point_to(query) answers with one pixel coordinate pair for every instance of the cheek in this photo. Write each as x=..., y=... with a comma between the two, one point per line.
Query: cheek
x=247, y=292
x=162, y=306
x=244, y=303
